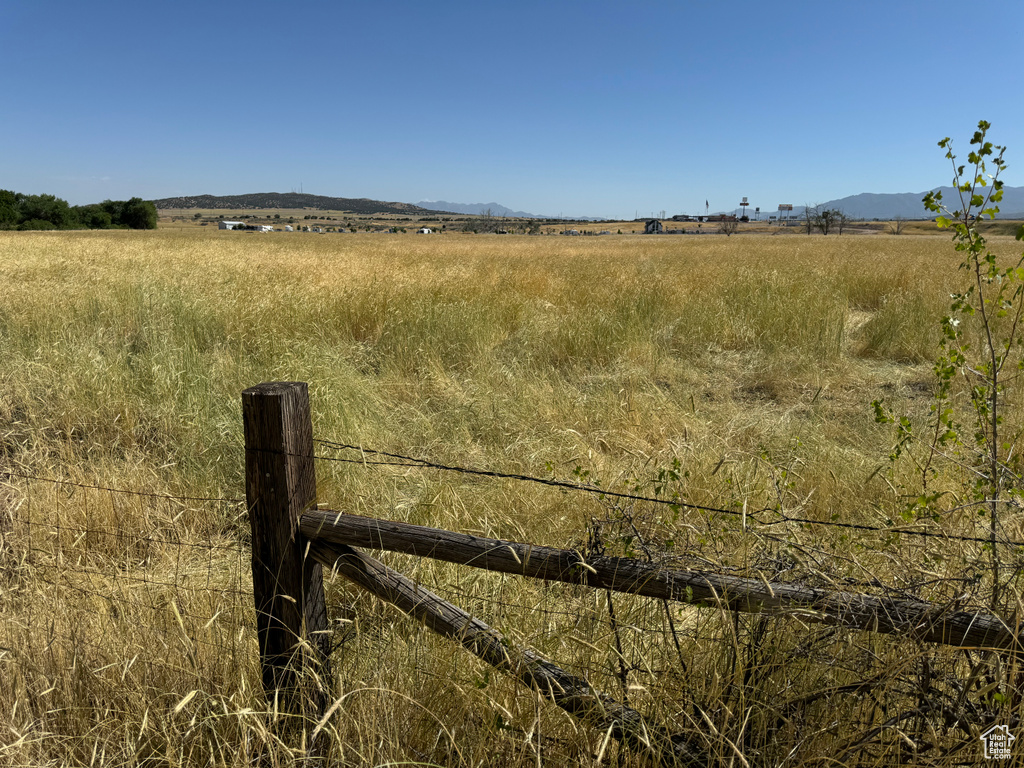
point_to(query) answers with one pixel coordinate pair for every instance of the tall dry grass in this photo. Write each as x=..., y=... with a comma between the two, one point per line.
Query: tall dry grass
x=127, y=638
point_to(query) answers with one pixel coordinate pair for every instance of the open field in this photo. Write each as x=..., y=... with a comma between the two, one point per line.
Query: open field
x=744, y=365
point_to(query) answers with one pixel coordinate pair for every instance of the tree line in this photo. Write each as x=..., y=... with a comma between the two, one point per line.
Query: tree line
x=20, y=211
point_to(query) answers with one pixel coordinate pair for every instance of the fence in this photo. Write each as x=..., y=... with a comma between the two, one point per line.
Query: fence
x=111, y=601
x=292, y=539
x=155, y=563
x=188, y=587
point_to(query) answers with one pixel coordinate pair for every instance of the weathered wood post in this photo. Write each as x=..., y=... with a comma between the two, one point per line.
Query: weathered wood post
x=280, y=484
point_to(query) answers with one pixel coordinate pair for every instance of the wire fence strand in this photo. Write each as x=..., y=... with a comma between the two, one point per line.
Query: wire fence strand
x=412, y=462
x=85, y=559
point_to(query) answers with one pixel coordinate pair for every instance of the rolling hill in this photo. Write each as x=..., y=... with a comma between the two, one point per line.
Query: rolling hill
x=297, y=200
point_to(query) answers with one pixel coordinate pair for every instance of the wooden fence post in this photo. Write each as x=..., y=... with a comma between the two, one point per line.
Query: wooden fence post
x=280, y=484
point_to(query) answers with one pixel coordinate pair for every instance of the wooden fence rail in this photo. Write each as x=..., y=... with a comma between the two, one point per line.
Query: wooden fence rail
x=929, y=622
x=573, y=694
x=292, y=539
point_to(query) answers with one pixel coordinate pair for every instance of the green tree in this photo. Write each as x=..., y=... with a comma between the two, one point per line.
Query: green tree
x=93, y=217
x=978, y=368
x=37, y=224
x=135, y=213
x=992, y=302
x=10, y=214
x=139, y=214
x=36, y=208
x=114, y=208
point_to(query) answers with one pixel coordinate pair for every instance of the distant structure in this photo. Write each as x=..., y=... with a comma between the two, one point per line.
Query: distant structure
x=653, y=227
x=424, y=231
x=246, y=227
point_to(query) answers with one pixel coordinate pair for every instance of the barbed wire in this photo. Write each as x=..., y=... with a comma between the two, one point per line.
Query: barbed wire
x=123, y=491
x=417, y=463
x=135, y=538
x=124, y=576
x=133, y=603
x=151, y=573
x=402, y=460
x=171, y=618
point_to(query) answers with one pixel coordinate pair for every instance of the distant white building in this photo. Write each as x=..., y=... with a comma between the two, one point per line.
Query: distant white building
x=289, y=228
x=424, y=231
x=231, y=225
x=264, y=228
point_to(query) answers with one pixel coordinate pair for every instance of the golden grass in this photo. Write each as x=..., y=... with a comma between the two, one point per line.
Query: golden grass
x=750, y=360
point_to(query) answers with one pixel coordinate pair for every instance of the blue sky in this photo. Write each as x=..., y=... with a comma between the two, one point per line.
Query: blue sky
x=560, y=107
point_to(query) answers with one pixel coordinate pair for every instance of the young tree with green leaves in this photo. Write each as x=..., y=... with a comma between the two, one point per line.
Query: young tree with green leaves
x=980, y=360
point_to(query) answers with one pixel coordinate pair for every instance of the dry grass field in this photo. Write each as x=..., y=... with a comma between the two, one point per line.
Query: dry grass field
x=735, y=372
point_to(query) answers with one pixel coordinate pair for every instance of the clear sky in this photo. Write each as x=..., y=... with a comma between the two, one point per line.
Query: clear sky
x=561, y=107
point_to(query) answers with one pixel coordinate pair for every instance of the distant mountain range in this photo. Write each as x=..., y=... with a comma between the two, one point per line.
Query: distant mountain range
x=477, y=209
x=869, y=205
